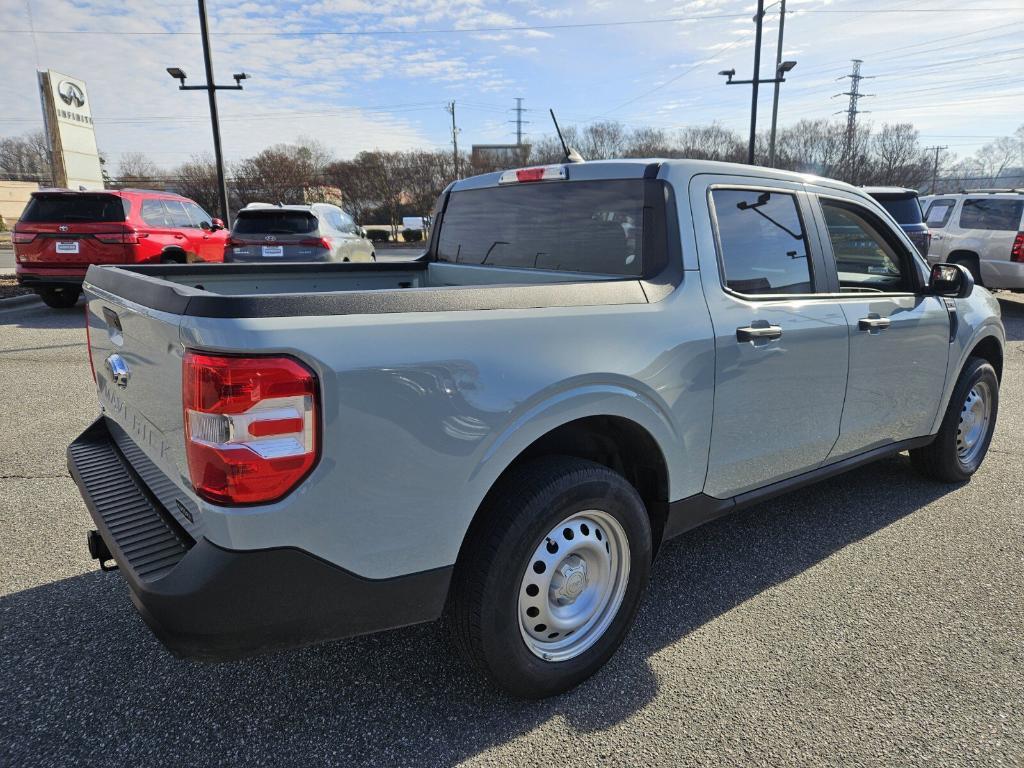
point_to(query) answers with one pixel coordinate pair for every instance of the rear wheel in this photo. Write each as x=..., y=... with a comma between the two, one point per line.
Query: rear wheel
x=60, y=298
x=966, y=431
x=550, y=580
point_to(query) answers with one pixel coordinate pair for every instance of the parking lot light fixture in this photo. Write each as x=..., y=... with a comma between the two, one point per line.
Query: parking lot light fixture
x=177, y=74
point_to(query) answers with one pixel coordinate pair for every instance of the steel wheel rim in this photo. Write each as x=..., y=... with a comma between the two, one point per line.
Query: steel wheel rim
x=975, y=418
x=573, y=585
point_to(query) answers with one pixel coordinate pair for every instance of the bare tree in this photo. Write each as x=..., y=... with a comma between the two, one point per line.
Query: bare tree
x=26, y=157
x=136, y=169
x=710, y=142
x=647, y=142
x=896, y=157
x=281, y=173
x=197, y=179
x=603, y=140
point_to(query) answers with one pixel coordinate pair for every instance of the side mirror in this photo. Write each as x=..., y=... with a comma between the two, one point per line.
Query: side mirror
x=206, y=226
x=218, y=224
x=952, y=280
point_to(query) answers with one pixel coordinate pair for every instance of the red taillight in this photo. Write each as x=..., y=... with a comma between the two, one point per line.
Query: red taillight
x=1017, y=249
x=127, y=237
x=316, y=242
x=21, y=238
x=88, y=343
x=250, y=426
x=537, y=173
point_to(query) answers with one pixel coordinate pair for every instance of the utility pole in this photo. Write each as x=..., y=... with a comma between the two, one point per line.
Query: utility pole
x=775, y=98
x=850, y=150
x=211, y=90
x=518, y=109
x=455, y=138
x=935, y=166
x=781, y=68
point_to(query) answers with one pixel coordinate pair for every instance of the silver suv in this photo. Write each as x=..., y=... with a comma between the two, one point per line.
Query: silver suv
x=318, y=232
x=984, y=231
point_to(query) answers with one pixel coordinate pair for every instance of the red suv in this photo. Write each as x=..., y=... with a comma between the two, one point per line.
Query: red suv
x=62, y=232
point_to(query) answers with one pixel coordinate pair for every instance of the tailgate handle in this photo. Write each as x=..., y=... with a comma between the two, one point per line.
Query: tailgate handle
x=113, y=326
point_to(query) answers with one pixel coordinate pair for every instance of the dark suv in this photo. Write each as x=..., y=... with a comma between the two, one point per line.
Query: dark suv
x=904, y=206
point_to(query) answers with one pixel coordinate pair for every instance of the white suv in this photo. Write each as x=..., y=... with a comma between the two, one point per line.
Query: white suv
x=984, y=231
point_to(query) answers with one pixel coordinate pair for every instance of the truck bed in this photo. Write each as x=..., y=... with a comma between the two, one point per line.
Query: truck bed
x=286, y=290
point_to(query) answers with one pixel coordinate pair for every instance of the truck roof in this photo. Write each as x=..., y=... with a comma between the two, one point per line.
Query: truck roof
x=640, y=167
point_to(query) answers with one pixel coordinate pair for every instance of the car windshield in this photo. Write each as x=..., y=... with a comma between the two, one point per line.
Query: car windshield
x=581, y=226
x=275, y=222
x=905, y=210
x=66, y=209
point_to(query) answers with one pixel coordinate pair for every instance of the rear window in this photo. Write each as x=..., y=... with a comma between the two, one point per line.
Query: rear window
x=274, y=223
x=578, y=226
x=906, y=210
x=65, y=209
x=991, y=214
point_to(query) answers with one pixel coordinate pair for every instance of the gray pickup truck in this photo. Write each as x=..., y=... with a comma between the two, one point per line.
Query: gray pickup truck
x=588, y=360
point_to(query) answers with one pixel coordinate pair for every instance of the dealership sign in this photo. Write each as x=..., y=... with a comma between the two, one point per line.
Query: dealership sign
x=69, y=129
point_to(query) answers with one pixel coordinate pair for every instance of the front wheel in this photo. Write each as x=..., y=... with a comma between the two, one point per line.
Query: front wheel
x=550, y=580
x=60, y=298
x=966, y=431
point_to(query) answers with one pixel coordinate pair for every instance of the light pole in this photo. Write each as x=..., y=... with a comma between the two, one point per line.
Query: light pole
x=781, y=68
x=211, y=90
x=778, y=71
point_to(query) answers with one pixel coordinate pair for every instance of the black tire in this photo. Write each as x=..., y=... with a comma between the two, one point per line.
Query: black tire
x=60, y=298
x=483, y=616
x=941, y=459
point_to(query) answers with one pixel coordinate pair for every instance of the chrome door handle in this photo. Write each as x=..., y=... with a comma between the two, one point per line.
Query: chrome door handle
x=758, y=330
x=873, y=323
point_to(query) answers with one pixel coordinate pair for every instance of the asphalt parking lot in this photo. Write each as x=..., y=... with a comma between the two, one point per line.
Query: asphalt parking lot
x=876, y=619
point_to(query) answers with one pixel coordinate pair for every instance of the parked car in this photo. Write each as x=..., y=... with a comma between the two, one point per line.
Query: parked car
x=588, y=360
x=904, y=206
x=317, y=232
x=62, y=232
x=984, y=231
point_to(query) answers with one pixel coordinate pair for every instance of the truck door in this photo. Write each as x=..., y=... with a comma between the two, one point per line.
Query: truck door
x=899, y=337
x=781, y=350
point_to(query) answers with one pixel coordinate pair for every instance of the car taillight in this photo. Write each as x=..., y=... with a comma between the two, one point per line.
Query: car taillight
x=22, y=237
x=538, y=173
x=250, y=426
x=88, y=343
x=128, y=236
x=1017, y=249
x=316, y=242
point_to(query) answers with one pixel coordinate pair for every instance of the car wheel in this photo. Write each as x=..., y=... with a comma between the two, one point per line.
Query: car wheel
x=967, y=427
x=60, y=298
x=551, y=575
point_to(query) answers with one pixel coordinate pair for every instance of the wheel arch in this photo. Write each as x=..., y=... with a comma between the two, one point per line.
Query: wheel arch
x=989, y=349
x=614, y=441
x=174, y=254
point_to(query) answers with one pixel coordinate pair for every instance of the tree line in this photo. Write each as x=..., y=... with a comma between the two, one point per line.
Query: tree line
x=380, y=187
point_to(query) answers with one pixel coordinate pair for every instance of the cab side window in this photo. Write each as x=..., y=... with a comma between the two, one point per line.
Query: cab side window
x=866, y=259
x=153, y=213
x=762, y=242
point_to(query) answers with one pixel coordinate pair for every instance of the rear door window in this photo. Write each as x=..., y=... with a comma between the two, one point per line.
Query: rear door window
x=68, y=209
x=938, y=213
x=762, y=242
x=177, y=216
x=153, y=213
x=575, y=226
x=275, y=222
x=866, y=259
x=991, y=214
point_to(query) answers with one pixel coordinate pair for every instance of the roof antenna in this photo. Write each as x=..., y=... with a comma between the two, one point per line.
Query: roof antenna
x=571, y=155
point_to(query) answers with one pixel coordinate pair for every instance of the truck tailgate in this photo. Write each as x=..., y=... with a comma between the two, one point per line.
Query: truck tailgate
x=137, y=359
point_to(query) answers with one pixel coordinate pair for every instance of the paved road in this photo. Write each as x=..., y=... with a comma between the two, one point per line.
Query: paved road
x=874, y=620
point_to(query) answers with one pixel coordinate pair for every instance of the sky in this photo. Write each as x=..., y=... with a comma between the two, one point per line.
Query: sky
x=366, y=74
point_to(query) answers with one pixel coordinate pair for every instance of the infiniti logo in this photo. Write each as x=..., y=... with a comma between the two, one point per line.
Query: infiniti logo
x=71, y=94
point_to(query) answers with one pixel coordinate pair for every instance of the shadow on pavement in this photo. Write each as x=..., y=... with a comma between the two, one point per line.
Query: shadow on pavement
x=1013, y=318
x=37, y=315
x=82, y=678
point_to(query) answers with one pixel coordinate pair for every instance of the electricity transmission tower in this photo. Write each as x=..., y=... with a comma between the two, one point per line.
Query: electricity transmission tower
x=850, y=144
x=519, y=109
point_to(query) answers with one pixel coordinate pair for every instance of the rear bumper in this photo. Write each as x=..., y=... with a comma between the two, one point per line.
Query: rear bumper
x=211, y=603
x=32, y=276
